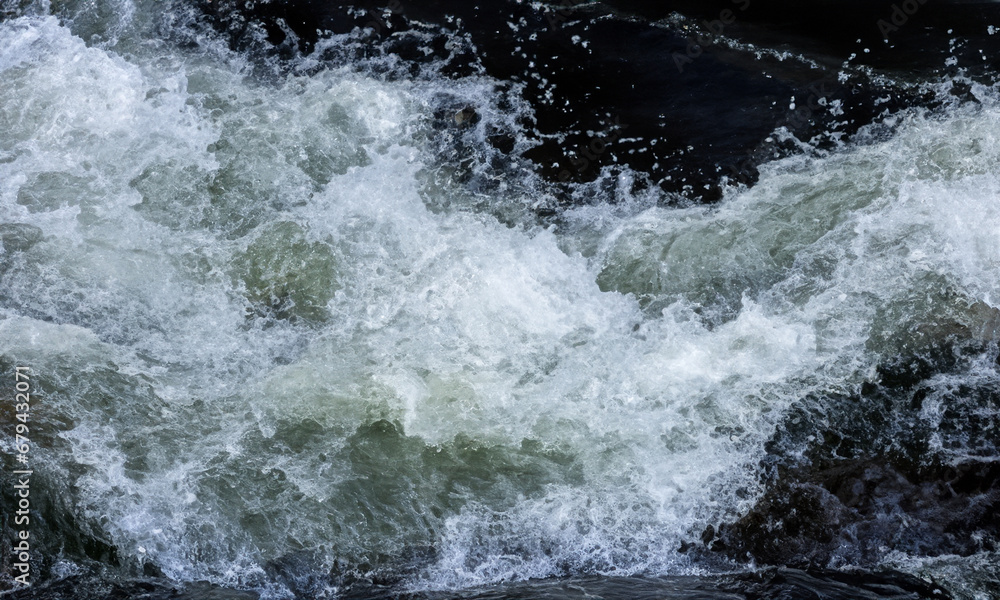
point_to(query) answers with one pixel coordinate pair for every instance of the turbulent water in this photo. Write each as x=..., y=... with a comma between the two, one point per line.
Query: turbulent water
x=289, y=327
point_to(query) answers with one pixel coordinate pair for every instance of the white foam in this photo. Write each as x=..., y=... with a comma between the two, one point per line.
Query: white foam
x=446, y=320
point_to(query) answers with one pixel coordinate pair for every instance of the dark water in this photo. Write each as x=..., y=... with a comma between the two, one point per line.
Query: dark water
x=526, y=300
x=682, y=92
x=770, y=583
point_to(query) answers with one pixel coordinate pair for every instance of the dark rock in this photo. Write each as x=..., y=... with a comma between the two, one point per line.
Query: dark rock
x=855, y=510
x=849, y=477
x=466, y=116
x=708, y=535
x=151, y=570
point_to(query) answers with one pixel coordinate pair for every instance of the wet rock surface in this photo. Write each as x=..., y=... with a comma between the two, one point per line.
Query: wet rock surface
x=687, y=93
x=909, y=464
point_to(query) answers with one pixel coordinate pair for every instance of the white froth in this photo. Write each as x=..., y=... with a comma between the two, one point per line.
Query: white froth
x=151, y=174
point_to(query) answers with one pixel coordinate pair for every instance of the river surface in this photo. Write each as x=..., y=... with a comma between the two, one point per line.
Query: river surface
x=299, y=327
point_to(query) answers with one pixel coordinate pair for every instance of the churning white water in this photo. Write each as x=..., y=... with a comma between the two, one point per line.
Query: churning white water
x=270, y=324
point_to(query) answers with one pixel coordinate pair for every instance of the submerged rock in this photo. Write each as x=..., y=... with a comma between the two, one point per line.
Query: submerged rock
x=51, y=190
x=285, y=275
x=18, y=237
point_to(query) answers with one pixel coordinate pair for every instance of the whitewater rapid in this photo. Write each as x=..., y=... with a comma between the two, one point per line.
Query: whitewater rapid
x=273, y=323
